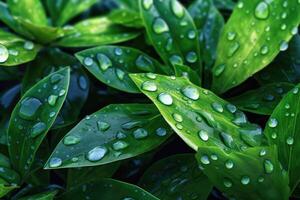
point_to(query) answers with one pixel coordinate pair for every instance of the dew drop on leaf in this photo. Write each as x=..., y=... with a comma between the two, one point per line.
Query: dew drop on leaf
x=119, y=145
x=165, y=99
x=96, y=153
x=191, y=57
x=120, y=74
x=149, y=86
x=55, y=162
x=175, y=59
x=147, y=4
x=229, y=164
x=205, y=160
x=177, y=9
x=219, y=69
x=71, y=140
x=140, y=133
x=29, y=107
x=160, y=26
x=290, y=141
x=245, y=180
x=37, y=129
x=144, y=63
x=203, y=135
x=268, y=166
x=3, y=54
x=104, y=61
x=52, y=100
x=191, y=92
x=262, y=10
x=272, y=123
x=161, y=132
x=88, y=61
x=227, y=183
x=177, y=117
x=103, y=126
x=28, y=45
x=217, y=107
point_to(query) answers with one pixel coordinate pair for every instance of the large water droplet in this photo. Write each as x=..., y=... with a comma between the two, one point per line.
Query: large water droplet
x=144, y=63
x=191, y=92
x=55, y=162
x=204, y=160
x=175, y=59
x=119, y=145
x=217, y=107
x=165, y=99
x=28, y=45
x=71, y=140
x=290, y=141
x=191, y=57
x=283, y=46
x=52, y=100
x=203, y=135
x=96, y=153
x=149, y=86
x=160, y=26
x=37, y=129
x=161, y=132
x=3, y=54
x=245, y=180
x=229, y=164
x=268, y=165
x=120, y=74
x=104, y=61
x=177, y=9
x=262, y=10
x=147, y=4
x=233, y=49
x=140, y=133
x=272, y=123
x=29, y=107
x=218, y=70
x=88, y=61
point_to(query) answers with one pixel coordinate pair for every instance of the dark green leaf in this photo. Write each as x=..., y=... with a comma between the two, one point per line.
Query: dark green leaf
x=262, y=100
x=172, y=32
x=176, y=177
x=282, y=129
x=9, y=73
x=254, y=173
x=111, y=65
x=64, y=10
x=5, y=187
x=49, y=195
x=29, y=10
x=94, y=32
x=197, y=115
x=126, y=17
x=33, y=116
x=107, y=189
x=285, y=68
x=186, y=71
x=15, y=50
x=114, y=133
x=248, y=45
x=224, y=4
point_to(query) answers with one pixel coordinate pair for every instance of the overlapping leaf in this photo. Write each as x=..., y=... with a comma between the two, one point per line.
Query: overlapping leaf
x=114, y=133
x=33, y=116
x=176, y=177
x=48, y=195
x=253, y=42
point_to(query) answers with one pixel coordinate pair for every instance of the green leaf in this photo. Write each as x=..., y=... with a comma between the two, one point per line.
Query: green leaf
x=79, y=176
x=107, y=189
x=9, y=175
x=64, y=10
x=30, y=10
x=94, y=32
x=254, y=173
x=262, y=100
x=197, y=115
x=111, y=65
x=16, y=50
x=48, y=195
x=209, y=23
x=224, y=4
x=282, y=129
x=5, y=187
x=49, y=61
x=33, y=116
x=285, y=68
x=114, y=133
x=186, y=71
x=126, y=17
x=249, y=45
x=176, y=177
x=172, y=32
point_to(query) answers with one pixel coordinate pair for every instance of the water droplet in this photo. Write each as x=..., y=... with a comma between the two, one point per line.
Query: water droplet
x=229, y=164
x=55, y=78
x=169, y=44
x=295, y=90
x=144, y=63
x=37, y=129
x=177, y=9
x=269, y=97
x=268, y=166
x=227, y=183
x=240, y=5
x=260, y=179
x=52, y=114
x=3, y=54
x=131, y=125
x=272, y=123
x=151, y=76
x=140, y=133
x=175, y=59
x=294, y=30
x=231, y=35
x=192, y=34
x=83, y=84
x=231, y=108
x=191, y=92
x=214, y=157
x=103, y=126
x=262, y=152
x=96, y=153
x=161, y=132
x=264, y=50
x=205, y=160
x=203, y=135
x=119, y=145
x=160, y=26
x=227, y=139
x=191, y=57
x=104, y=61
x=62, y=92
x=283, y=46
x=29, y=107
x=218, y=70
x=52, y=100
x=262, y=10
x=118, y=51
x=147, y=4
x=165, y=99
x=290, y=140
x=149, y=86
x=217, y=107
x=283, y=27
x=55, y=162
x=28, y=45
x=120, y=73
x=233, y=49
x=88, y=61
x=245, y=180
x=71, y=140
x=177, y=117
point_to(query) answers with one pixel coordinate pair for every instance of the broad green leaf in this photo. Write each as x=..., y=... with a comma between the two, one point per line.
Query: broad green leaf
x=224, y=4
x=42, y=34
x=79, y=176
x=176, y=177
x=197, y=115
x=282, y=129
x=5, y=187
x=111, y=65
x=128, y=4
x=114, y=133
x=64, y=10
x=33, y=116
x=209, y=23
x=49, y=61
x=4, y=161
x=107, y=189
x=254, y=173
x=95, y=31
x=9, y=175
x=48, y=195
x=172, y=32
x=29, y=10
x=15, y=50
x=126, y=17
x=248, y=45
x=186, y=71
x=285, y=68
x=262, y=100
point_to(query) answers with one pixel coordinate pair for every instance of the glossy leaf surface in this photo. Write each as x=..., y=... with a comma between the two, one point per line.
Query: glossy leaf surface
x=33, y=116
x=176, y=177
x=252, y=43
x=114, y=133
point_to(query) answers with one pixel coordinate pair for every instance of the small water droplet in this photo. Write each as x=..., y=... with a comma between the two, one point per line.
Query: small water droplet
x=191, y=92
x=147, y=4
x=165, y=99
x=227, y=183
x=233, y=48
x=71, y=140
x=231, y=35
x=119, y=145
x=55, y=162
x=264, y=50
x=262, y=10
x=268, y=165
x=103, y=126
x=62, y=92
x=151, y=76
x=205, y=160
x=169, y=44
x=262, y=152
x=28, y=45
x=160, y=26
x=217, y=107
x=118, y=51
x=120, y=74
x=219, y=69
x=283, y=46
x=272, y=123
x=231, y=108
x=245, y=180
x=37, y=129
x=203, y=135
x=96, y=153
x=140, y=133
x=149, y=86
x=290, y=141
x=191, y=57
x=161, y=132
x=177, y=117
x=144, y=63
x=55, y=78
x=192, y=34
x=175, y=59
x=88, y=61
x=104, y=61
x=52, y=99
x=229, y=164
x=82, y=81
